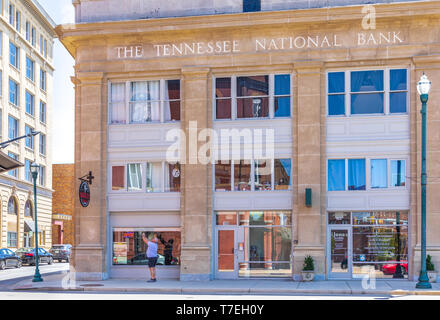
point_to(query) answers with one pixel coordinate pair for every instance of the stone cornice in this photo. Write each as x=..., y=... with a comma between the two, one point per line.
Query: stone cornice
x=69, y=34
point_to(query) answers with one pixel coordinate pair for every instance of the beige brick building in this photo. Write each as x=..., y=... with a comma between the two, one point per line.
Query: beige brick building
x=63, y=203
x=328, y=88
x=26, y=71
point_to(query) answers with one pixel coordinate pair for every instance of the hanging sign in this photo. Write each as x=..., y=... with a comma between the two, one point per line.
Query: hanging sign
x=84, y=194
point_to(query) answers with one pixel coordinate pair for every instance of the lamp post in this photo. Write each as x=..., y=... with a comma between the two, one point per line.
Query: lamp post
x=423, y=87
x=34, y=170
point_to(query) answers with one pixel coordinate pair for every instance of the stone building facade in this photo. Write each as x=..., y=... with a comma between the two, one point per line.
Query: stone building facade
x=26, y=72
x=331, y=88
x=63, y=203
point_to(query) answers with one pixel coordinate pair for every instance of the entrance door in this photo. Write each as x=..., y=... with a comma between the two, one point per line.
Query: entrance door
x=339, y=253
x=227, y=253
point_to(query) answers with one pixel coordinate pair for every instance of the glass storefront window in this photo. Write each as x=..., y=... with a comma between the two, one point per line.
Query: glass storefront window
x=242, y=176
x=223, y=176
x=263, y=175
x=339, y=218
x=380, y=218
x=270, y=218
x=226, y=218
x=282, y=171
x=130, y=249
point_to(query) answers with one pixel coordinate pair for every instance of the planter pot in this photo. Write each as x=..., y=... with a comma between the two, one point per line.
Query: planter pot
x=308, y=275
x=432, y=275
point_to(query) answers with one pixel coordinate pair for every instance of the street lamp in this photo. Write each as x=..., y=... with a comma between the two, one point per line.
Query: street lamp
x=34, y=170
x=423, y=87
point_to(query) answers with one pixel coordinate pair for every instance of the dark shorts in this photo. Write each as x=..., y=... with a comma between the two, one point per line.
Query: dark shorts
x=152, y=262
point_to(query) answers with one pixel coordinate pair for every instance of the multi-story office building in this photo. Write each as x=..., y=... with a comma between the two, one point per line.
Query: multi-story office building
x=327, y=88
x=26, y=71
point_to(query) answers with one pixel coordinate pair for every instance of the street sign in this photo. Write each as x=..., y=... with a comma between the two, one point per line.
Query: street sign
x=84, y=194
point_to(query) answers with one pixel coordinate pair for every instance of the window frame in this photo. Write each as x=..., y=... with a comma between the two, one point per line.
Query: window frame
x=42, y=103
x=32, y=103
x=32, y=69
x=42, y=143
x=16, y=102
x=31, y=139
x=16, y=64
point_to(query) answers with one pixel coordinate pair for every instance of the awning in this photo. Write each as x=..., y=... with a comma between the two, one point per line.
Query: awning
x=7, y=163
x=29, y=225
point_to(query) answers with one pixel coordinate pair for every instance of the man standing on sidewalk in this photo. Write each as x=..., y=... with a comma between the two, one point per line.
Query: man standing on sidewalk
x=151, y=255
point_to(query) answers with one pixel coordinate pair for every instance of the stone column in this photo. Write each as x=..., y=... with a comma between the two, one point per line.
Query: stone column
x=431, y=66
x=309, y=224
x=90, y=155
x=196, y=192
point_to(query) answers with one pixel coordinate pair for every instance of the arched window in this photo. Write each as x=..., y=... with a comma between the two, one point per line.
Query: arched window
x=28, y=209
x=12, y=206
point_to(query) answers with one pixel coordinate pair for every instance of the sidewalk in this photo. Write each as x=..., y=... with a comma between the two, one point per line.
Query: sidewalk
x=242, y=287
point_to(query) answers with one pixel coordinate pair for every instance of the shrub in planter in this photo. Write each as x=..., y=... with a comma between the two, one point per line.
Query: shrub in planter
x=308, y=269
x=430, y=268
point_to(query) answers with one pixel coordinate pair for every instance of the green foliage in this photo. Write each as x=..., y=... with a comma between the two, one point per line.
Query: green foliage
x=309, y=265
x=429, y=265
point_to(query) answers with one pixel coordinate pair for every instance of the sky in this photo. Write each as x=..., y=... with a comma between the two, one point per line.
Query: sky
x=63, y=120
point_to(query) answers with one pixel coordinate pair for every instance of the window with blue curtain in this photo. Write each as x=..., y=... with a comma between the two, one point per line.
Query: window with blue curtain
x=336, y=93
x=378, y=173
x=336, y=175
x=367, y=92
x=282, y=95
x=397, y=169
x=251, y=5
x=356, y=174
x=398, y=91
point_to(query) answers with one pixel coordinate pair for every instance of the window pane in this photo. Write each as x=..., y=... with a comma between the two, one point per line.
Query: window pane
x=367, y=103
x=226, y=218
x=145, y=105
x=263, y=175
x=356, y=174
x=252, y=107
x=336, y=105
x=223, y=87
x=398, y=173
x=223, y=109
x=172, y=111
x=29, y=141
x=29, y=103
x=398, y=79
x=242, y=176
x=252, y=86
x=134, y=176
x=379, y=173
x=172, y=177
x=282, y=84
x=223, y=176
x=336, y=82
x=282, y=107
x=398, y=102
x=367, y=81
x=27, y=170
x=118, y=177
x=117, y=103
x=283, y=170
x=336, y=175
x=153, y=174
x=267, y=218
x=173, y=89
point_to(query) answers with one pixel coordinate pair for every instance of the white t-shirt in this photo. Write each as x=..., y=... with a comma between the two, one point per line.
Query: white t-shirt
x=152, y=249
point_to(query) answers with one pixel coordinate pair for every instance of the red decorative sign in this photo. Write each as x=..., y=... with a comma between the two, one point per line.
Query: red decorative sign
x=84, y=194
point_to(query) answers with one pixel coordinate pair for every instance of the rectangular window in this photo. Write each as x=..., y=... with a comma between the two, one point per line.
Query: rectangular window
x=282, y=96
x=33, y=36
x=17, y=21
x=117, y=103
x=12, y=239
x=253, y=97
x=336, y=93
x=45, y=48
x=14, y=55
x=13, y=128
x=242, y=175
x=398, y=91
x=263, y=175
x=172, y=177
x=282, y=171
x=43, y=80
x=1, y=43
x=134, y=176
x=30, y=103
x=336, y=175
x=28, y=31
x=223, y=98
x=27, y=170
x=379, y=173
x=13, y=92
x=251, y=5
x=11, y=14
x=145, y=101
x=356, y=174
x=154, y=177
x=30, y=69
x=42, y=176
x=367, y=92
x=41, y=44
x=42, y=112
x=29, y=140
x=13, y=173
x=398, y=176
x=42, y=144
x=118, y=177
x=223, y=176
x=172, y=100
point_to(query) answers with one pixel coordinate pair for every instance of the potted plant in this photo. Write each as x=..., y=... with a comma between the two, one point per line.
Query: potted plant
x=430, y=268
x=308, y=272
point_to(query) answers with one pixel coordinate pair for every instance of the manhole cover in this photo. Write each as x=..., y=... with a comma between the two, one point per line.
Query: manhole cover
x=92, y=285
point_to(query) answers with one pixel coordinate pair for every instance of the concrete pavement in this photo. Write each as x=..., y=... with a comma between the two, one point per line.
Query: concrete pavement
x=243, y=287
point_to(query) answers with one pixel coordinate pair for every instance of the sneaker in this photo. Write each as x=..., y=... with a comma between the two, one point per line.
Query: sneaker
x=152, y=280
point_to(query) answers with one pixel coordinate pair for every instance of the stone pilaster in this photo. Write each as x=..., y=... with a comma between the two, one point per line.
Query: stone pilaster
x=196, y=193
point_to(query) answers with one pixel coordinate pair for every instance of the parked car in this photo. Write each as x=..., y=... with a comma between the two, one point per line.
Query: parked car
x=390, y=268
x=61, y=252
x=142, y=259
x=8, y=259
x=27, y=256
